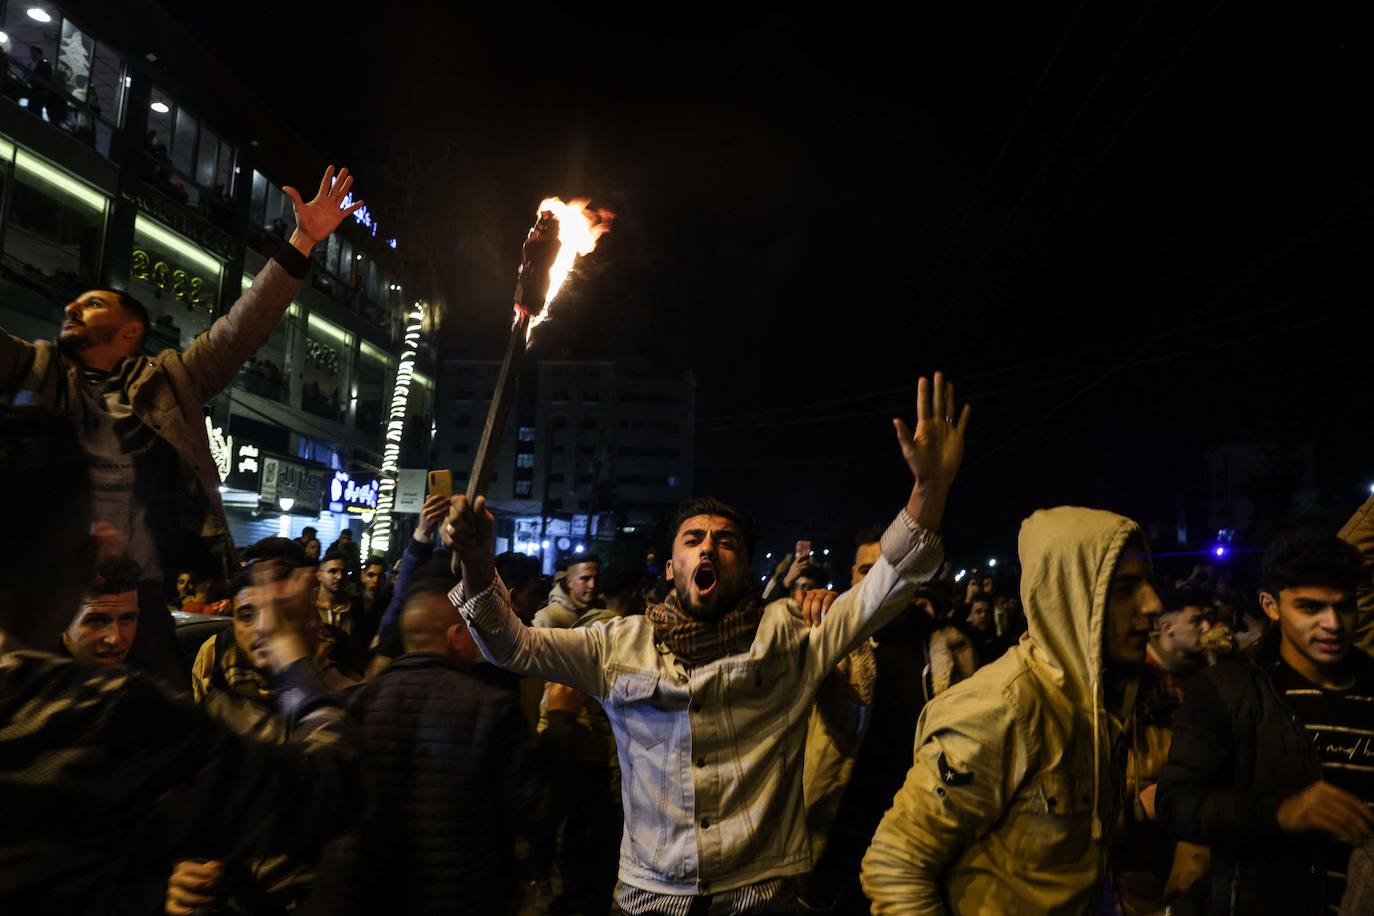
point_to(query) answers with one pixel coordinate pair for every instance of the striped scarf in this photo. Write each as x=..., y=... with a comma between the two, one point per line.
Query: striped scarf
x=699, y=642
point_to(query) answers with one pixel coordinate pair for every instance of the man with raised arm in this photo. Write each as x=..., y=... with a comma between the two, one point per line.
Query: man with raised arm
x=139, y=420
x=709, y=693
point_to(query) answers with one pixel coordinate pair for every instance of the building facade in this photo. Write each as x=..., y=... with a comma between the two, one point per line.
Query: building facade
x=119, y=171
x=591, y=449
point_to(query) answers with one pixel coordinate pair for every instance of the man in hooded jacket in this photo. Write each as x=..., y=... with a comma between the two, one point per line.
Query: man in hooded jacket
x=1017, y=771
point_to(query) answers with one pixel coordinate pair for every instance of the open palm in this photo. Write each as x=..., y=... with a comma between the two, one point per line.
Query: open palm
x=934, y=451
x=321, y=216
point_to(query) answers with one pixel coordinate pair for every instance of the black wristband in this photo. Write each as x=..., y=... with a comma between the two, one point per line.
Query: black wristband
x=291, y=259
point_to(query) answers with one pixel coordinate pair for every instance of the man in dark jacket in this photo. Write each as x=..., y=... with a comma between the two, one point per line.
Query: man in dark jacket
x=104, y=778
x=139, y=418
x=455, y=775
x=1271, y=763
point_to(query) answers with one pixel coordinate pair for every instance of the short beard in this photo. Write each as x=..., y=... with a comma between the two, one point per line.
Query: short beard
x=716, y=609
x=76, y=343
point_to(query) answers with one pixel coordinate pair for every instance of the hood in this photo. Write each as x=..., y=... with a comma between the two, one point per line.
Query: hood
x=559, y=595
x=1068, y=556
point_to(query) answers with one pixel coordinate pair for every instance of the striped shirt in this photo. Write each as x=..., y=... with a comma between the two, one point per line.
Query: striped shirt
x=116, y=443
x=775, y=895
x=1341, y=726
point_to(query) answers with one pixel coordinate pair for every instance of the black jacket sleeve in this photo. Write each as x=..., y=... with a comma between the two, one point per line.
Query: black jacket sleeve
x=236, y=796
x=1197, y=799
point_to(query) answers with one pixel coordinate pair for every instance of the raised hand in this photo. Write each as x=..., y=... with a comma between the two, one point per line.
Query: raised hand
x=317, y=219
x=470, y=530
x=815, y=603
x=431, y=514
x=935, y=450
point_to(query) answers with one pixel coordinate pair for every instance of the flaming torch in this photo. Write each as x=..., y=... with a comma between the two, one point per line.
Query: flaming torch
x=562, y=233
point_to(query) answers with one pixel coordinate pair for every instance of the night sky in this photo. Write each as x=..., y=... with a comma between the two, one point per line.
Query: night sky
x=1127, y=230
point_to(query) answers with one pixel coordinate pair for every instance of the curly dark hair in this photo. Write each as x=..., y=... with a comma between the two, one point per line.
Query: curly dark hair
x=116, y=576
x=1310, y=557
x=710, y=505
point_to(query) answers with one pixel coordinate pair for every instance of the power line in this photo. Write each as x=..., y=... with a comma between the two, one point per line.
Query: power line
x=714, y=424
x=1084, y=172
x=1045, y=163
x=1001, y=153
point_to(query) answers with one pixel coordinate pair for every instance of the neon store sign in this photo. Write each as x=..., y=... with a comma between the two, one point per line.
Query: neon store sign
x=349, y=495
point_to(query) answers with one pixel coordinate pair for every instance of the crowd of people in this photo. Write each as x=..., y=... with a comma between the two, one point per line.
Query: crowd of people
x=460, y=734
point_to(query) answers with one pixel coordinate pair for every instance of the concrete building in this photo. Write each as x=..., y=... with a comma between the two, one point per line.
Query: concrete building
x=590, y=449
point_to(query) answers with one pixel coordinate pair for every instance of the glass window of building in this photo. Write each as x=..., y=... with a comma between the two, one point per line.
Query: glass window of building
x=161, y=118
x=71, y=75
x=184, y=142
x=257, y=203
x=374, y=367
x=107, y=92
x=267, y=372
x=55, y=224
x=176, y=279
x=325, y=365
x=374, y=281
x=224, y=168
x=207, y=160
x=279, y=217
x=35, y=70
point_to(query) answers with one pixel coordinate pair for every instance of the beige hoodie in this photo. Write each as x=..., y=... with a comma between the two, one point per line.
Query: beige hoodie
x=1002, y=811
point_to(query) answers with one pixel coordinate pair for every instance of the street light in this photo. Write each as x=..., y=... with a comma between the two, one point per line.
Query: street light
x=38, y=14
x=992, y=562
x=160, y=107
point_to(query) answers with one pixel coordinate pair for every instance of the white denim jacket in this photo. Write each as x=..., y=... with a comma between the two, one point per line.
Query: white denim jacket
x=711, y=757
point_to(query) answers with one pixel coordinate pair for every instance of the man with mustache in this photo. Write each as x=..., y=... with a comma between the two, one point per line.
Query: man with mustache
x=709, y=693
x=1272, y=759
x=139, y=418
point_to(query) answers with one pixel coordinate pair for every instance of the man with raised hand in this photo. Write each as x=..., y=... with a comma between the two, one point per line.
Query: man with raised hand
x=709, y=693
x=139, y=418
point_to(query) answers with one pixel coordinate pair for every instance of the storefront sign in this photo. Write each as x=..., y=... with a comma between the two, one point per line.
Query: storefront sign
x=349, y=495
x=221, y=449
x=302, y=484
x=410, y=491
x=178, y=218
x=169, y=278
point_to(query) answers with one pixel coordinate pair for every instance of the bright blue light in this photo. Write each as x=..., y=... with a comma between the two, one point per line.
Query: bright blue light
x=1220, y=551
x=578, y=549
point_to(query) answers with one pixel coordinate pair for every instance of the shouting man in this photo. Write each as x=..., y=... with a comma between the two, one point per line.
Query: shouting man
x=709, y=693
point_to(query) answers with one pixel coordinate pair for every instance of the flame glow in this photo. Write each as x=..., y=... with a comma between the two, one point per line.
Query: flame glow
x=579, y=229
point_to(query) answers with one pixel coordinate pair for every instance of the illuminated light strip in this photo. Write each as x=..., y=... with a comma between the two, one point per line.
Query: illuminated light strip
x=59, y=179
x=320, y=326
x=155, y=232
x=424, y=380
x=372, y=352
x=395, y=424
x=6, y=150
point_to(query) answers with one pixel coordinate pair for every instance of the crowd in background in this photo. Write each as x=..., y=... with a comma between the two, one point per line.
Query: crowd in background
x=318, y=732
